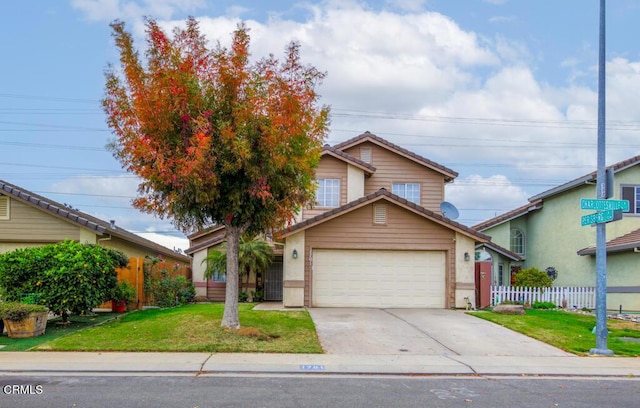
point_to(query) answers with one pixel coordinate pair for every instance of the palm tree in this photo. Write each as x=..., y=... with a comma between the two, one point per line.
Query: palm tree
x=255, y=256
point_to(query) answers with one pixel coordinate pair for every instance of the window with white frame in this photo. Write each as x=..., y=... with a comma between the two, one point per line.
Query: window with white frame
x=517, y=241
x=632, y=194
x=328, y=193
x=408, y=191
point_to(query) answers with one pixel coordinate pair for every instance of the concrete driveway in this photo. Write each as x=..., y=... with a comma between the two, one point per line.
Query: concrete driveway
x=422, y=332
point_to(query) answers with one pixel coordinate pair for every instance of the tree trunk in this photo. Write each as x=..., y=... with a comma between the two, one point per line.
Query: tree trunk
x=230, y=317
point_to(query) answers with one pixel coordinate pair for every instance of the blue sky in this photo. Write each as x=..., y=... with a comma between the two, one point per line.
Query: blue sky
x=502, y=91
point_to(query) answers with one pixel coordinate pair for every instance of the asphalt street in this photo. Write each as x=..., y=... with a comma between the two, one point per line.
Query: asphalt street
x=314, y=391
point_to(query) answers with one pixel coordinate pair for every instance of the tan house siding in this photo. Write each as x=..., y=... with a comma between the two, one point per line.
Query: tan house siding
x=403, y=231
x=28, y=224
x=329, y=168
x=393, y=168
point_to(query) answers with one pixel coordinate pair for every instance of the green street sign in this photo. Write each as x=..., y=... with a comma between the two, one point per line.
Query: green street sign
x=601, y=205
x=601, y=217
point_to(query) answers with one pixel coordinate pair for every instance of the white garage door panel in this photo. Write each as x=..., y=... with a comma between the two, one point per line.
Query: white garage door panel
x=367, y=278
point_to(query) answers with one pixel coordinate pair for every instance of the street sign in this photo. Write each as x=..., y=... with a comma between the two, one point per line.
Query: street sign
x=601, y=217
x=601, y=205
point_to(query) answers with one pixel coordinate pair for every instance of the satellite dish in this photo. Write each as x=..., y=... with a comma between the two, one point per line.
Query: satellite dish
x=449, y=210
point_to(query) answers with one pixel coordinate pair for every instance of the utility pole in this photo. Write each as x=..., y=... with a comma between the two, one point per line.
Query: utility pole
x=601, y=192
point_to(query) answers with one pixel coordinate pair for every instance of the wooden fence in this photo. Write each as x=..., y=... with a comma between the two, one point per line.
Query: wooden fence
x=571, y=297
x=134, y=274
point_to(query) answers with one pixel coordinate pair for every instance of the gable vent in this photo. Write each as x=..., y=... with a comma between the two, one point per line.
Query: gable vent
x=380, y=214
x=4, y=208
x=365, y=154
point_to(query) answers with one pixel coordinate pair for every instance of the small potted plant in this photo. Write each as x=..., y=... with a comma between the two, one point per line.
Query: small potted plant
x=123, y=293
x=23, y=320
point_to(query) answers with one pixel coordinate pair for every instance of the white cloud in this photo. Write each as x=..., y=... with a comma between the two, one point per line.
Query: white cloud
x=175, y=243
x=480, y=198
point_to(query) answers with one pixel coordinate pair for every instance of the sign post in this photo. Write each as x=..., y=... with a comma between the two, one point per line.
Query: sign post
x=601, y=192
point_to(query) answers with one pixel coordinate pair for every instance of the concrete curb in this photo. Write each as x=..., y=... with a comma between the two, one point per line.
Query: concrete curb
x=115, y=363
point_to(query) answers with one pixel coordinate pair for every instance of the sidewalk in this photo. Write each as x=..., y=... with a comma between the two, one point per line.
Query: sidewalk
x=93, y=363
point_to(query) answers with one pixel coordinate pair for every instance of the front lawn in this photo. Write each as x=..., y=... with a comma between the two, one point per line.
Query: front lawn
x=54, y=330
x=196, y=328
x=569, y=331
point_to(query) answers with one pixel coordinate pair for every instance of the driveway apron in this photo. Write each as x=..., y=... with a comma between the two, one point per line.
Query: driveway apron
x=420, y=331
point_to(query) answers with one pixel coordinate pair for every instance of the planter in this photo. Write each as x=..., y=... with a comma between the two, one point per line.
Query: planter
x=118, y=306
x=31, y=326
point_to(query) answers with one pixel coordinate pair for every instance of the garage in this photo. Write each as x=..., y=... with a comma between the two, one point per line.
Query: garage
x=374, y=278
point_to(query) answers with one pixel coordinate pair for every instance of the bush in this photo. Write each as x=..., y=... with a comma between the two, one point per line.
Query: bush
x=66, y=277
x=544, y=305
x=18, y=311
x=167, y=288
x=532, y=278
x=124, y=291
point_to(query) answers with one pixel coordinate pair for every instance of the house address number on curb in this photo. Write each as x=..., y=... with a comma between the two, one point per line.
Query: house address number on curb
x=312, y=367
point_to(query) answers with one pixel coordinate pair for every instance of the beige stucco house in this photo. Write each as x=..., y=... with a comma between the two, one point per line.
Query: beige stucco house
x=28, y=219
x=375, y=237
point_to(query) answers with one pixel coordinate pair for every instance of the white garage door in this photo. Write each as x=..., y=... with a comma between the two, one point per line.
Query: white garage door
x=368, y=278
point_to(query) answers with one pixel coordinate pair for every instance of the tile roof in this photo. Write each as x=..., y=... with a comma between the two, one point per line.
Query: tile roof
x=339, y=154
x=501, y=250
x=532, y=206
x=588, y=178
x=535, y=202
x=206, y=244
x=82, y=219
x=627, y=242
x=384, y=194
x=368, y=136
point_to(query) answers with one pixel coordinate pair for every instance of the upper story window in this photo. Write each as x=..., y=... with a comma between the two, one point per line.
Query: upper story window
x=517, y=241
x=408, y=191
x=328, y=194
x=4, y=207
x=632, y=193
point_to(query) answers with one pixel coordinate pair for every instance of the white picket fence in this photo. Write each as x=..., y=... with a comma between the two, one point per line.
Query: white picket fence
x=575, y=297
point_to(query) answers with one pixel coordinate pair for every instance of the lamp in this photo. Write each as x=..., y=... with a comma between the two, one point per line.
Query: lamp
x=466, y=256
x=294, y=254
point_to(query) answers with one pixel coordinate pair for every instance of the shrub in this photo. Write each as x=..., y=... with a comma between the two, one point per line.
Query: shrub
x=66, y=277
x=544, y=305
x=532, y=278
x=124, y=291
x=18, y=311
x=166, y=287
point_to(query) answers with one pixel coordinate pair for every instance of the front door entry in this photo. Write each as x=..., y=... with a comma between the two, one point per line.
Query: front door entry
x=273, y=282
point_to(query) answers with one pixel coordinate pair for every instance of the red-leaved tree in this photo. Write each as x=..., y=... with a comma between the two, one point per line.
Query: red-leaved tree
x=214, y=137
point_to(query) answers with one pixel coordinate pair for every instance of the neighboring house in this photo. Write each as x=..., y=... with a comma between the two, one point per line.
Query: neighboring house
x=28, y=219
x=547, y=232
x=375, y=237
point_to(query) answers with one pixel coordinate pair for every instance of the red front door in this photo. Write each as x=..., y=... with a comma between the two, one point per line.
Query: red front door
x=483, y=284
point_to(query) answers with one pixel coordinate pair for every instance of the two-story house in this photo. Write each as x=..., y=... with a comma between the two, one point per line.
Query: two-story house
x=547, y=232
x=375, y=237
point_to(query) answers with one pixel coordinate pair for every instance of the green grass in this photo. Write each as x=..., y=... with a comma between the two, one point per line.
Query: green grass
x=568, y=331
x=196, y=328
x=54, y=330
